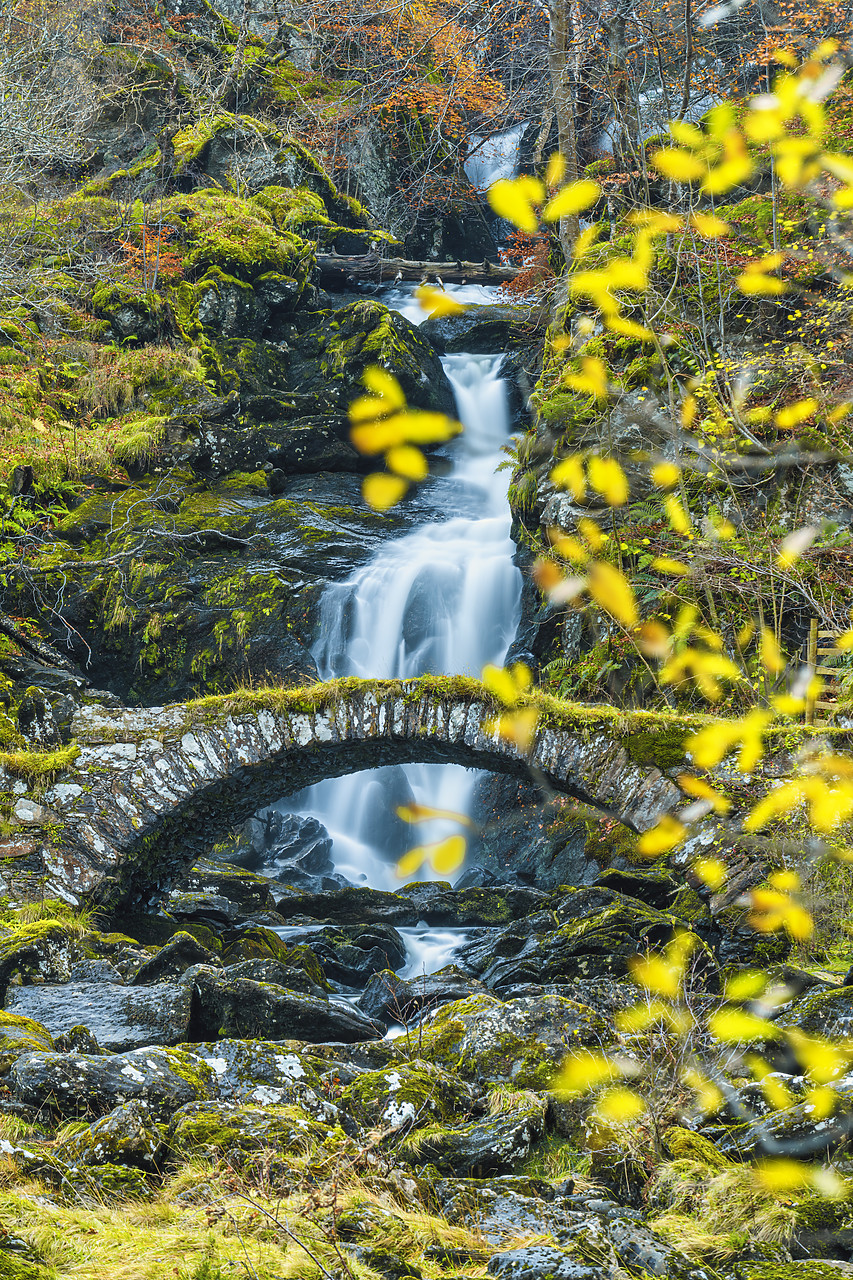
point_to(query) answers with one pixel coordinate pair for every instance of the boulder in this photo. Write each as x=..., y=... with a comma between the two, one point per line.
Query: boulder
x=352, y=954
x=538, y=1261
x=119, y=1017
x=483, y=329
x=264, y=1072
x=438, y=904
x=293, y=977
x=389, y=998
x=494, y=1145
x=249, y=892
x=74, y=1083
x=409, y=1095
x=221, y=1128
x=182, y=951
x=351, y=906
x=126, y=1135
x=523, y=1041
x=226, y=1006
x=823, y=1013
x=19, y=1035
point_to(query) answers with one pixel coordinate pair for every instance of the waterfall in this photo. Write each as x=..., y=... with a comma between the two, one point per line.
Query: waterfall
x=444, y=599
x=490, y=159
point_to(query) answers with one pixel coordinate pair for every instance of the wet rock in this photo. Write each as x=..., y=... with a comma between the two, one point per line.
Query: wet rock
x=786, y=1130
x=408, y=1095
x=822, y=1012
x=285, y=845
x=211, y=908
x=126, y=1135
x=293, y=977
x=438, y=904
x=389, y=998
x=523, y=1041
x=249, y=892
x=119, y=1017
x=77, y=1040
x=352, y=954
x=182, y=951
x=227, y=1006
x=73, y=1083
x=493, y=1145
x=482, y=329
x=351, y=906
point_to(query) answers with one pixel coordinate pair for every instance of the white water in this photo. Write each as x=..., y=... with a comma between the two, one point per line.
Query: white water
x=443, y=599
x=490, y=159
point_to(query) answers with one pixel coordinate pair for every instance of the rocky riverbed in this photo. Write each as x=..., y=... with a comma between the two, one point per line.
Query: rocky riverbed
x=283, y=1063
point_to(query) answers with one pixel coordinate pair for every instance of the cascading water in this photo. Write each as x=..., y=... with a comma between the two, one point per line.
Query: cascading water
x=443, y=599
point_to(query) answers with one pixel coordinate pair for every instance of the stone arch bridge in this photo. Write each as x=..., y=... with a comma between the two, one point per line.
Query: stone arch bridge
x=152, y=789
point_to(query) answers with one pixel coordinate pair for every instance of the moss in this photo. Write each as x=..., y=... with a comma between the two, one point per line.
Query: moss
x=217, y=1128
x=684, y=1144
x=224, y=231
x=664, y=750
x=39, y=764
x=19, y=1035
x=262, y=944
x=14, y=1266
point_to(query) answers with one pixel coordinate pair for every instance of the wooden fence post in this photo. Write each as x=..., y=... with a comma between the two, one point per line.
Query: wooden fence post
x=811, y=659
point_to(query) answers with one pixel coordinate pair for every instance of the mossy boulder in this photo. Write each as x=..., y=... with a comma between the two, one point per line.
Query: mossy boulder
x=127, y=1135
x=686, y=1144
x=222, y=231
x=19, y=1035
x=217, y=1128
x=76, y=1083
x=523, y=1041
x=408, y=1095
x=497, y=1144
x=822, y=1013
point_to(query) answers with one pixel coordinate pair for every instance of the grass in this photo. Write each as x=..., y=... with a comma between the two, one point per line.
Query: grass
x=39, y=764
x=715, y=1216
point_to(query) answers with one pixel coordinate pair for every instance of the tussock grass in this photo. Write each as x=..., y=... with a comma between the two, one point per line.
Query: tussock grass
x=716, y=1215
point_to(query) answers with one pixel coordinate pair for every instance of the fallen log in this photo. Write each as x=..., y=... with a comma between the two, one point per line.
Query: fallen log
x=369, y=268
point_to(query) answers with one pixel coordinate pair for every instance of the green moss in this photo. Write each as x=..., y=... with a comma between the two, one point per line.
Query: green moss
x=224, y=231
x=684, y=1144
x=39, y=764
x=664, y=750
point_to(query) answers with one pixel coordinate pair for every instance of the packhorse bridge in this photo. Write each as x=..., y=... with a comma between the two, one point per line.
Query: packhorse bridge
x=152, y=789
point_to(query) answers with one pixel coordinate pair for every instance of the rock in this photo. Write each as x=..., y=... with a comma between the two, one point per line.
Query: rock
x=389, y=998
x=294, y=978
x=119, y=1017
x=73, y=1083
x=209, y=908
x=494, y=1145
x=538, y=1261
x=77, y=1040
x=806, y=1270
x=823, y=1013
x=37, y=720
x=182, y=951
x=126, y=1135
x=351, y=906
x=263, y=1072
x=480, y=329
x=524, y=1041
x=247, y=891
x=437, y=903
x=222, y=1128
x=352, y=954
x=19, y=1035
x=285, y=845
x=409, y=1095
x=788, y=1128
x=226, y=1006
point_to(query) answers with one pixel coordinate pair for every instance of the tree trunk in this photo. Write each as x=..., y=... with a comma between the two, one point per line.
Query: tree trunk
x=337, y=272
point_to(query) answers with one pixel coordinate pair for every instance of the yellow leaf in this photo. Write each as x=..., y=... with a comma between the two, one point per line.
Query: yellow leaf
x=795, y=544
x=781, y=1175
x=507, y=683
x=780, y=800
x=821, y=1101
x=381, y=490
x=822, y=1061
x=586, y=240
x=665, y=835
x=619, y=1106
x=436, y=303
x=584, y=1071
x=514, y=198
x=701, y=790
x=447, y=856
x=630, y=328
x=556, y=170
x=641, y=1016
x=519, y=726
x=771, y=655
x=712, y=872
x=709, y=225
x=756, y=285
x=607, y=478
x=728, y=174
x=612, y=590
x=569, y=474
x=405, y=460
x=737, y=1026
x=425, y=813
x=571, y=199
x=592, y=378
x=655, y=974
x=591, y=533
x=664, y=564
x=665, y=475
x=679, y=165
x=747, y=985
x=793, y=414
x=570, y=549
x=409, y=863
x=382, y=384
x=676, y=515
x=687, y=134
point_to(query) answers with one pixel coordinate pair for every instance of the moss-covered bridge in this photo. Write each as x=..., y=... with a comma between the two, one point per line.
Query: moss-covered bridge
x=150, y=790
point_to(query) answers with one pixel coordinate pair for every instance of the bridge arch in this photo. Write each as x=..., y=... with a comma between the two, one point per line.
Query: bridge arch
x=152, y=789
